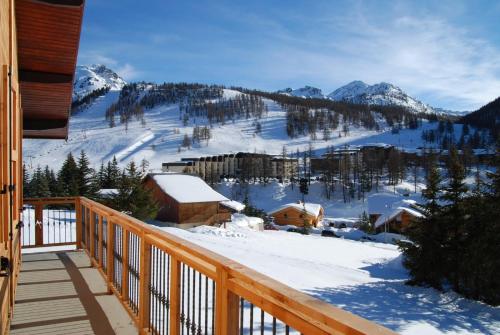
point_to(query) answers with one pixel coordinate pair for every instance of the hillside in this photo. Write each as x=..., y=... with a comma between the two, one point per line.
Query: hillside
x=149, y=121
x=487, y=117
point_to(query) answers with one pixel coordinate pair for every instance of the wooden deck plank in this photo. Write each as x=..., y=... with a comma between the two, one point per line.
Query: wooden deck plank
x=60, y=294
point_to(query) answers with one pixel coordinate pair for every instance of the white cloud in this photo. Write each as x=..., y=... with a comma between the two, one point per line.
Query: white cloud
x=430, y=58
x=128, y=72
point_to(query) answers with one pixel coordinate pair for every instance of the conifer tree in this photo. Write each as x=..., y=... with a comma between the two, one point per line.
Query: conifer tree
x=39, y=185
x=26, y=183
x=133, y=198
x=87, y=185
x=68, y=177
x=424, y=255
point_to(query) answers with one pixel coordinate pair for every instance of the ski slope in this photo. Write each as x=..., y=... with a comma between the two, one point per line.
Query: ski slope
x=158, y=141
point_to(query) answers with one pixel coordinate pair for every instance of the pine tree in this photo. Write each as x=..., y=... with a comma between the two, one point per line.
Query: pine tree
x=39, y=184
x=133, y=198
x=87, y=184
x=68, y=177
x=26, y=183
x=424, y=255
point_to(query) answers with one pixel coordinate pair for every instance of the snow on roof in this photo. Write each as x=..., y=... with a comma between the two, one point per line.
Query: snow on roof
x=310, y=208
x=107, y=192
x=387, y=217
x=186, y=188
x=382, y=203
x=237, y=206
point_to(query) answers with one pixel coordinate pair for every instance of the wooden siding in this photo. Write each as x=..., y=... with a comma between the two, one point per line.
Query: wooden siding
x=181, y=213
x=10, y=160
x=48, y=36
x=397, y=224
x=292, y=216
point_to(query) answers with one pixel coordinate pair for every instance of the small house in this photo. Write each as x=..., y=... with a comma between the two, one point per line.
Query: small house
x=397, y=221
x=298, y=213
x=186, y=200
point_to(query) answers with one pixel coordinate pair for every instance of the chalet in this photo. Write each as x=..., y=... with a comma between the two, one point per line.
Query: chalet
x=296, y=213
x=185, y=200
x=392, y=212
x=398, y=220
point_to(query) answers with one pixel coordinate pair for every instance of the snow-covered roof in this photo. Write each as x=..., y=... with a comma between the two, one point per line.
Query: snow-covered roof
x=310, y=208
x=387, y=217
x=382, y=203
x=186, y=188
x=237, y=206
x=107, y=192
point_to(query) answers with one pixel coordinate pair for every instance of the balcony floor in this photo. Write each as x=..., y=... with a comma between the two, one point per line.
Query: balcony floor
x=60, y=293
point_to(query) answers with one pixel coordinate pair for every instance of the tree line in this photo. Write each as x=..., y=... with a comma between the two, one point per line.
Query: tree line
x=77, y=178
x=457, y=244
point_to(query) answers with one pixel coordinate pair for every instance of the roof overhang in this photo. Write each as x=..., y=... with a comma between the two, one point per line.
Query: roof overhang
x=48, y=36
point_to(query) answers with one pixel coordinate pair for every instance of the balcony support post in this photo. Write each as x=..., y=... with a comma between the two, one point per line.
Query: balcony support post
x=78, y=220
x=39, y=224
x=175, y=296
x=226, y=306
x=144, y=281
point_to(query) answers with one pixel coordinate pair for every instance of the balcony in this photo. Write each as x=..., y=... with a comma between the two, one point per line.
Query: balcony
x=127, y=277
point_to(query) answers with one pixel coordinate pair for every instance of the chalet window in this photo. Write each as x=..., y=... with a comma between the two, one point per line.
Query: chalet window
x=285, y=215
x=301, y=216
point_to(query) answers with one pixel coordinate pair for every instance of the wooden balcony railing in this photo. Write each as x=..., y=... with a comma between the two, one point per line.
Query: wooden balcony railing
x=171, y=286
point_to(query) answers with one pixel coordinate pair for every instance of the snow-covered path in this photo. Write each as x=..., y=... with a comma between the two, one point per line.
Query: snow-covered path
x=364, y=278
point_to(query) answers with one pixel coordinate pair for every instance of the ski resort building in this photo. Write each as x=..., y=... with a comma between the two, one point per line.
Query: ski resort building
x=186, y=201
x=107, y=272
x=297, y=214
x=239, y=165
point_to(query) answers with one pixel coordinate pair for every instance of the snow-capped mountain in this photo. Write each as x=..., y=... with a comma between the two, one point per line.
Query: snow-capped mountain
x=304, y=92
x=94, y=77
x=379, y=94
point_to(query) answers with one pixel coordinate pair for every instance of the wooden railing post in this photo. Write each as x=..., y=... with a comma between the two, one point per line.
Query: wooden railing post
x=125, y=238
x=144, y=280
x=175, y=296
x=91, y=237
x=99, y=240
x=110, y=242
x=39, y=224
x=226, y=306
x=78, y=220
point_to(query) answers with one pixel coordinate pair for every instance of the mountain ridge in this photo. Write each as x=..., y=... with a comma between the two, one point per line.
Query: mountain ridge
x=90, y=78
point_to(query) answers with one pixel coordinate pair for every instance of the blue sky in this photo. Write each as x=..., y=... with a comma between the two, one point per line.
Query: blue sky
x=446, y=53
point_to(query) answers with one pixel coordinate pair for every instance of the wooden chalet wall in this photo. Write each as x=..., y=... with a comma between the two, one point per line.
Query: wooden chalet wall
x=10, y=159
x=292, y=216
x=173, y=211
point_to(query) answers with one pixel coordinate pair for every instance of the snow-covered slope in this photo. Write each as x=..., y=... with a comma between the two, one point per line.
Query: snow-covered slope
x=378, y=94
x=94, y=77
x=159, y=139
x=304, y=92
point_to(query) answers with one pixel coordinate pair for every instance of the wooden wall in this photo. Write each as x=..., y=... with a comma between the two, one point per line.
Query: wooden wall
x=10, y=159
x=292, y=216
x=180, y=213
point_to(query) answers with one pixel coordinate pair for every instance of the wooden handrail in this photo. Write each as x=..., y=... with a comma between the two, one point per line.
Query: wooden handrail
x=233, y=280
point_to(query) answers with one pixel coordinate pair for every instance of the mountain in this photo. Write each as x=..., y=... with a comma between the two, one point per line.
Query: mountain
x=93, y=77
x=384, y=94
x=486, y=117
x=304, y=92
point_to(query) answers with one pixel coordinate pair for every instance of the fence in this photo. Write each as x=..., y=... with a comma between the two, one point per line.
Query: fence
x=171, y=286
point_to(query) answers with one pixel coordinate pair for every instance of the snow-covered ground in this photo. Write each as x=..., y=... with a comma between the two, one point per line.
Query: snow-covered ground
x=274, y=194
x=366, y=278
